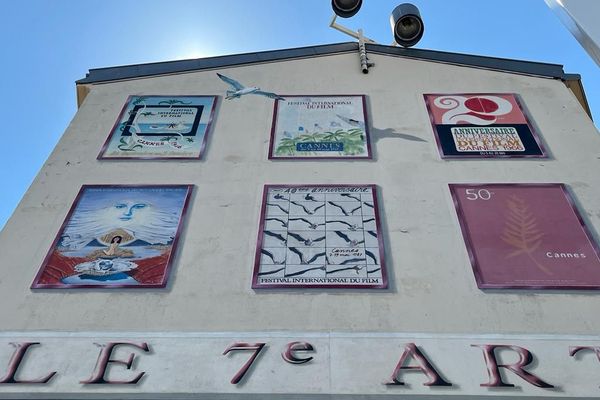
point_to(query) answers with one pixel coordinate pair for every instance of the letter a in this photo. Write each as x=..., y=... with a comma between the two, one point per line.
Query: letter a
x=411, y=350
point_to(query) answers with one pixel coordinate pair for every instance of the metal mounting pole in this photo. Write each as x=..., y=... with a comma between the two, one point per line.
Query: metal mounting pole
x=362, y=53
x=347, y=31
x=362, y=49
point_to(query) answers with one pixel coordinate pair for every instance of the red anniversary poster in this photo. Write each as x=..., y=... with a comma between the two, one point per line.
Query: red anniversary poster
x=526, y=236
x=482, y=125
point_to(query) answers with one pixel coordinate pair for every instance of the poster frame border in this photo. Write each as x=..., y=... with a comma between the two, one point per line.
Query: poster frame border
x=203, y=145
x=522, y=108
x=481, y=284
x=368, y=156
x=260, y=235
x=169, y=263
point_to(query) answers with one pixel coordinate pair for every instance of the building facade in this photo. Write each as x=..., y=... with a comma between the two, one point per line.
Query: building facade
x=417, y=309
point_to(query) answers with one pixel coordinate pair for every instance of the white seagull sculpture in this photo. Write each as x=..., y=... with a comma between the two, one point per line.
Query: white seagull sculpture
x=240, y=90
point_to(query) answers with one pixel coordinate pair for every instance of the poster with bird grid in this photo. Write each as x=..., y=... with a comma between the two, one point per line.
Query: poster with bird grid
x=526, y=236
x=320, y=126
x=320, y=236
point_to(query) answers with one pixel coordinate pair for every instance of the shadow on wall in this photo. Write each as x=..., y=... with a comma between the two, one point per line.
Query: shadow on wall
x=377, y=134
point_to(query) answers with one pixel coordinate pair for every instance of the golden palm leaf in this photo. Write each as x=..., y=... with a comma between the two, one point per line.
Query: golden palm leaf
x=521, y=230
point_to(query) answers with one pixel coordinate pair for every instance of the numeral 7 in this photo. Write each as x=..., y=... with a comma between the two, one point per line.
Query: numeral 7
x=257, y=347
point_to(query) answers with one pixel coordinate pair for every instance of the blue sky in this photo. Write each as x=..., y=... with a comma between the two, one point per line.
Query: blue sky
x=47, y=45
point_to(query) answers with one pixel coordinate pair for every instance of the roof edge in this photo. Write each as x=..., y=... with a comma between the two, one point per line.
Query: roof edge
x=535, y=68
x=107, y=74
x=133, y=71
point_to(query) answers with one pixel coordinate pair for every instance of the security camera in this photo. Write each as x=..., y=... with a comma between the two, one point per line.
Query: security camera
x=407, y=25
x=346, y=8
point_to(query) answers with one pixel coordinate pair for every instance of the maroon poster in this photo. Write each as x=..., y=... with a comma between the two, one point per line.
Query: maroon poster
x=526, y=236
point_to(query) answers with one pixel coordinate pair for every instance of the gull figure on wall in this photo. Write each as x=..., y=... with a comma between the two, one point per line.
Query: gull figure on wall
x=240, y=90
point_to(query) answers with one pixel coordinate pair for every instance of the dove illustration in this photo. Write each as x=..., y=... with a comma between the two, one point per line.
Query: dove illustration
x=240, y=90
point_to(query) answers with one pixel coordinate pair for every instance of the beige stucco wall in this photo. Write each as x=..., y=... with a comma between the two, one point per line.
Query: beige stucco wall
x=432, y=288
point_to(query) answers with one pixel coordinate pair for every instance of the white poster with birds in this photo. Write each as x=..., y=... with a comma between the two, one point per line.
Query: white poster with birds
x=320, y=127
x=320, y=236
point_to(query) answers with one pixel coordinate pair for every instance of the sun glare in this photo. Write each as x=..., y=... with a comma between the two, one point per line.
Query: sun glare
x=193, y=53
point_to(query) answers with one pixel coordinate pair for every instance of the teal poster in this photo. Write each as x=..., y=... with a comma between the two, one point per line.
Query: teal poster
x=154, y=127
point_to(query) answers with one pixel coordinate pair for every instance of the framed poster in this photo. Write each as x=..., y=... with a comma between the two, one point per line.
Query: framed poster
x=116, y=236
x=160, y=127
x=311, y=127
x=319, y=236
x=526, y=236
x=482, y=125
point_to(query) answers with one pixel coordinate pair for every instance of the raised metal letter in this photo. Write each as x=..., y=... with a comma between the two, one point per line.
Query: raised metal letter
x=576, y=349
x=288, y=353
x=411, y=350
x=104, y=359
x=493, y=368
x=257, y=347
x=15, y=361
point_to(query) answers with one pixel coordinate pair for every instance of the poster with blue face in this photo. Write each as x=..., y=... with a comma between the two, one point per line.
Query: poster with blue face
x=116, y=236
x=155, y=127
x=320, y=126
